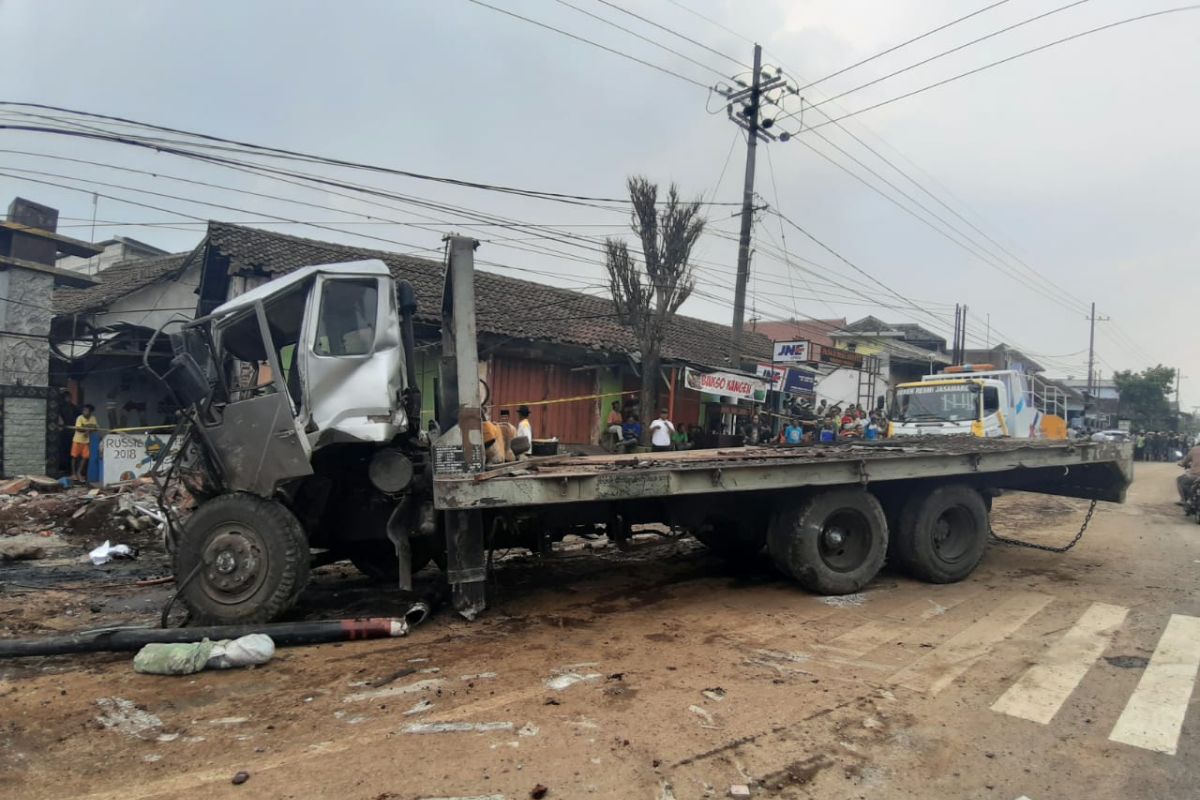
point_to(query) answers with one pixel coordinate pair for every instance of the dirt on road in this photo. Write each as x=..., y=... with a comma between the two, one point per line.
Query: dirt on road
x=666, y=673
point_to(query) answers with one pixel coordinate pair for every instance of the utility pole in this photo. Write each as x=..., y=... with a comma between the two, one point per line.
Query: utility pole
x=750, y=114
x=1091, y=358
x=764, y=89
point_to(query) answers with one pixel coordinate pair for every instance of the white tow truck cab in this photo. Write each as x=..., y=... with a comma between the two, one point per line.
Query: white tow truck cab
x=979, y=400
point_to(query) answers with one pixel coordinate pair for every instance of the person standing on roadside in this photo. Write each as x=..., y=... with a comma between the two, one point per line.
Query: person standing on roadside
x=661, y=431
x=81, y=446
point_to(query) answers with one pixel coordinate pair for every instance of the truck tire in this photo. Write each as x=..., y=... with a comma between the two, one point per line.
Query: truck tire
x=833, y=542
x=735, y=540
x=253, y=560
x=942, y=534
x=376, y=558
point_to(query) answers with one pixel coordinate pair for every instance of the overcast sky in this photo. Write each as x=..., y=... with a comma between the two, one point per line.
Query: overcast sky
x=1082, y=161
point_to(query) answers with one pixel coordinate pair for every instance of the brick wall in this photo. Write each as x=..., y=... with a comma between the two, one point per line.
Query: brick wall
x=25, y=425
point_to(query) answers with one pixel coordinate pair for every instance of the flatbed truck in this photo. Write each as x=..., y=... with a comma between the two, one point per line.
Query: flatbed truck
x=302, y=430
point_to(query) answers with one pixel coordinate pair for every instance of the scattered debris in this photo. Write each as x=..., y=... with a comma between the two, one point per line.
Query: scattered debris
x=456, y=727
x=715, y=693
x=20, y=550
x=241, y=778
x=1128, y=662
x=704, y=715
x=739, y=790
x=528, y=729
x=845, y=600
x=419, y=708
x=551, y=701
x=471, y=797
x=478, y=677
x=107, y=552
x=229, y=721
x=393, y=691
x=568, y=679
x=123, y=716
x=538, y=792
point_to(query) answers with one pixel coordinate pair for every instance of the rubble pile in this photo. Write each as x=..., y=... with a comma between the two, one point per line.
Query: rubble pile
x=44, y=507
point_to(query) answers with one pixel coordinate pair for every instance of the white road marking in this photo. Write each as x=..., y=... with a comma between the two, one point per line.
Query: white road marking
x=1153, y=717
x=936, y=670
x=876, y=633
x=1040, y=692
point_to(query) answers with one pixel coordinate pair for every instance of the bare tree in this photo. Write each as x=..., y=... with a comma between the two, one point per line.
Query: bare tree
x=648, y=295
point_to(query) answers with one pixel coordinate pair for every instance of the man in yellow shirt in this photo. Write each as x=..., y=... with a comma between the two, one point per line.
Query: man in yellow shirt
x=81, y=449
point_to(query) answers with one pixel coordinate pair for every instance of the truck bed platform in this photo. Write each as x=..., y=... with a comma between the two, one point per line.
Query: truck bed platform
x=1090, y=470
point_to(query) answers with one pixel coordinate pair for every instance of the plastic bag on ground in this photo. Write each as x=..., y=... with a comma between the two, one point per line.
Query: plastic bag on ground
x=189, y=657
x=107, y=552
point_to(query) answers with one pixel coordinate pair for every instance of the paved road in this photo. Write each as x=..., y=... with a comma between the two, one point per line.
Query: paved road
x=668, y=674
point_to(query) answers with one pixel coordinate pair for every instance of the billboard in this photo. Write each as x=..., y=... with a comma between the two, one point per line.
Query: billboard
x=791, y=352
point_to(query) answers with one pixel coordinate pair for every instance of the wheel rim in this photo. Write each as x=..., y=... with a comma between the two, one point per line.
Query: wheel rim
x=235, y=563
x=845, y=540
x=952, y=537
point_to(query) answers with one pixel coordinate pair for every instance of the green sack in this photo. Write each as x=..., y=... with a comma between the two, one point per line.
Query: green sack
x=173, y=659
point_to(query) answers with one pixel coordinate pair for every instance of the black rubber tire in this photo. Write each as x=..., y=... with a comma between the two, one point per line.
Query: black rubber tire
x=376, y=558
x=735, y=540
x=943, y=533
x=274, y=552
x=800, y=540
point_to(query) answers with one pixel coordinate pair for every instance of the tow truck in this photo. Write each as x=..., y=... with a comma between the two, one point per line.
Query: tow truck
x=301, y=431
x=979, y=400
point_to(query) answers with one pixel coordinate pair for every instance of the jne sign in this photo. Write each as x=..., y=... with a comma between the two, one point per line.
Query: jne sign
x=727, y=384
x=790, y=352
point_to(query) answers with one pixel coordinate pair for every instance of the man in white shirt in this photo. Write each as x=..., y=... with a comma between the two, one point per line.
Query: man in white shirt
x=524, y=428
x=660, y=432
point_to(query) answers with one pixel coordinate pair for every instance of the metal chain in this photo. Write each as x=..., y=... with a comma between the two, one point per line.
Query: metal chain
x=1018, y=543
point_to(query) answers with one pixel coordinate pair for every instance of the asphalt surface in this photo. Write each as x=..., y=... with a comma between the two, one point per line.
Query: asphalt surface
x=666, y=673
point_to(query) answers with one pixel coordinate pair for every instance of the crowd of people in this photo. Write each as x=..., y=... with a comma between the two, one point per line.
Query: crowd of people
x=1160, y=446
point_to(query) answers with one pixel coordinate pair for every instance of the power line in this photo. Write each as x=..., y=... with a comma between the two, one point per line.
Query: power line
x=637, y=35
x=578, y=38
x=903, y=44
x=675, y=33
x=945, y=53
x=1014, y=57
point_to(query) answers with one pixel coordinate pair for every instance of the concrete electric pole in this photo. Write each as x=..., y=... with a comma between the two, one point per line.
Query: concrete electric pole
x=763, y=89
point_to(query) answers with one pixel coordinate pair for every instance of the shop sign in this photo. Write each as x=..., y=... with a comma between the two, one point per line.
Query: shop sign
x=791, y=352
x=785, y=379
x=726, y=384
x=839, y=358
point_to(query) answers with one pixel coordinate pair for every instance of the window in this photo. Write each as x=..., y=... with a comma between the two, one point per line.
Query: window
x=991, y=400
x=346, y=322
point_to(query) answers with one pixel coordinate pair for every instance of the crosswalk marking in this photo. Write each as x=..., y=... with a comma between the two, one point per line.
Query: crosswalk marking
x=876, y=633
x=1040, y=692
x=1153, y=717
x=936, y=670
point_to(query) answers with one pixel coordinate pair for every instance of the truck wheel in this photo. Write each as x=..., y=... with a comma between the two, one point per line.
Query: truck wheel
x=253, y=558
x=376, y=558
x=736, y=540
x=942, y=534
x=833, y=542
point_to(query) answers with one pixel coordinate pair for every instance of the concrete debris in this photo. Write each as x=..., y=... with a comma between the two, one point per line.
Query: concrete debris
x=715, y=693
x=569, y=679
x=419, y=708
x=739, y=790
x=528, y=729
x=394, y=691
x=456, y=727
x=845, y=600
x=123, y=716
x=703, y=714
x=18, y=550
x=478, y=677
x=665, y=791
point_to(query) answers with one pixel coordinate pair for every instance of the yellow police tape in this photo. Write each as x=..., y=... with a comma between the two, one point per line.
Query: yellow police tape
x=566, y=399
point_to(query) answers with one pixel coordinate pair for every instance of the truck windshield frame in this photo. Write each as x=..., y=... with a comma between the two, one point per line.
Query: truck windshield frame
x=937, y=403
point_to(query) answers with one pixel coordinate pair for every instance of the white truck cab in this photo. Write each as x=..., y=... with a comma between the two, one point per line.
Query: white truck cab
x=979, y=400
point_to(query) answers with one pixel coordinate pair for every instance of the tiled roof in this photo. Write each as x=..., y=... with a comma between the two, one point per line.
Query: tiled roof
x=508, y=307
x=813, y=330
x=117, y=281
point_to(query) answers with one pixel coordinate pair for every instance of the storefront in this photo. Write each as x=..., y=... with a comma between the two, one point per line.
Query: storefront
x=728, y=400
